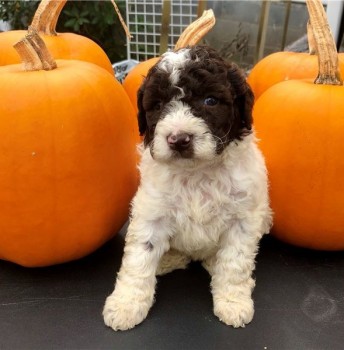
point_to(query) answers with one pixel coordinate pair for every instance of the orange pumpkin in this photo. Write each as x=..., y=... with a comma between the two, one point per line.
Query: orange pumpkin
x=281, y=66
x=62, y=45
x=68, y=159
x=301, y=127
x=190, y=36
x=135, y=77
x=301, y=132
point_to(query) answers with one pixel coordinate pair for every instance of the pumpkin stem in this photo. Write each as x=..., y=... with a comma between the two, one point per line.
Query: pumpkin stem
x=195, y=31
x=310, y=38
x=46, y=16
x=34, y=54
x=124, y=26
x=325, y=45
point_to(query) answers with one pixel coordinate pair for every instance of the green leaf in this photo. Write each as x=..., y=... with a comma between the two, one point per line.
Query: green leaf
x=68, y=13
x=84, y=13
x=81, y=21
x=70, y=23
x=75, y=11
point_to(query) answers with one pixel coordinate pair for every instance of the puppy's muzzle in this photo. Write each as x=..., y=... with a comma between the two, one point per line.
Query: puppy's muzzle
x=179, y=142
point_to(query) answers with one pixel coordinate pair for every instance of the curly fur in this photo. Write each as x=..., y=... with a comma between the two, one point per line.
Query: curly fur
x=204, y=198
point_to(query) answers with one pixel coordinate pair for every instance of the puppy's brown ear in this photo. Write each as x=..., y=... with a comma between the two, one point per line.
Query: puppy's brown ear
x=141, y=112
x=243, y=97
x=245, y=104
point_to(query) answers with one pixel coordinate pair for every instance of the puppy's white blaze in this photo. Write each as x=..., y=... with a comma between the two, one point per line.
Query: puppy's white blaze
x=182, y=93
x=180, y=119
x=172, y=62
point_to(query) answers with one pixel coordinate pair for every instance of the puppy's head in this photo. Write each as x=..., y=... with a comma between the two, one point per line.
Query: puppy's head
x=192, y=104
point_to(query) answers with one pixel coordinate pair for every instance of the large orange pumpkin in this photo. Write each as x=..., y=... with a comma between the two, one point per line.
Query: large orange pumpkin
x=301, y=127
x=62, y=45
x=281, y=66
x=68, y=159
x=190, y=36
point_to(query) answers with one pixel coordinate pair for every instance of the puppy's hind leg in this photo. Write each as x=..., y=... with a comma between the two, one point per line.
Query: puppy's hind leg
x=172, y=260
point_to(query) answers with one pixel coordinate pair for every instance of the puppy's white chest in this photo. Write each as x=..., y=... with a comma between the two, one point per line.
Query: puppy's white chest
x=200, y=213
x=200, y=206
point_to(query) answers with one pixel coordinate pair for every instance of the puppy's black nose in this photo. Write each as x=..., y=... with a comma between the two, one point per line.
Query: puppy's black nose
x=179, y=142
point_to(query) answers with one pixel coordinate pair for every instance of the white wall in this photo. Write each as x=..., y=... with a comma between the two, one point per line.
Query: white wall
x=334, y=14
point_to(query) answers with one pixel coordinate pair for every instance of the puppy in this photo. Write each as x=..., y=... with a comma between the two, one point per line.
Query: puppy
x=203, y=193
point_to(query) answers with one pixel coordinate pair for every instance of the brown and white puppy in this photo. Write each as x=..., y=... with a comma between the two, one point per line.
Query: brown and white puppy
x=203, y=193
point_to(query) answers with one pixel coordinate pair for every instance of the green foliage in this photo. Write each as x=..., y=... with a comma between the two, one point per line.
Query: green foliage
x=18, y=13
x=95, y=19
x=98, y=21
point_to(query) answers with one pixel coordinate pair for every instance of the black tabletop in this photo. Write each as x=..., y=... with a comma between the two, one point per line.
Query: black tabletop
x=299, y=304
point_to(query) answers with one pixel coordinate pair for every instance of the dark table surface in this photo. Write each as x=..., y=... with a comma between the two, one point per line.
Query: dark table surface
x=299, y=303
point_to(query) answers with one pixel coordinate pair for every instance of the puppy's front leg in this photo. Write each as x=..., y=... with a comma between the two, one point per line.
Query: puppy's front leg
x=133, y=296
x=232, y=281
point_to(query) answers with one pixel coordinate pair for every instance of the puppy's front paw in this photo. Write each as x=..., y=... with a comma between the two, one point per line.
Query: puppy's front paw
x=123, y=313
x=234, y=312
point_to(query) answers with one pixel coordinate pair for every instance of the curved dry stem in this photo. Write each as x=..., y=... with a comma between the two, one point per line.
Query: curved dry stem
x=310, y=37
x=46, y=16
x=325, y=45
x=196, y=30
x=126, y=29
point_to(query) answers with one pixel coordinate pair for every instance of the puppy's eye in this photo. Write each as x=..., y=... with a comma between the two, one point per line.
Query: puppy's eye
x=211, y=101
